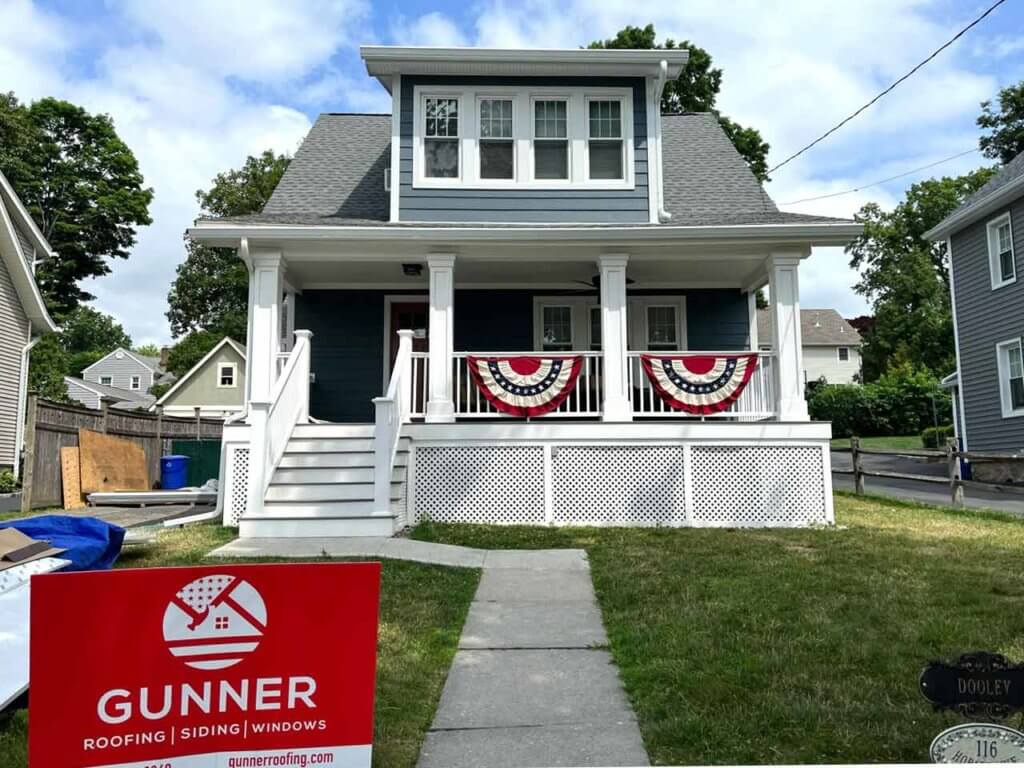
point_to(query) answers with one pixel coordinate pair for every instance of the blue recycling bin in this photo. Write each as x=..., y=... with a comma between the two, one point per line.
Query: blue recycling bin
x=173, y=472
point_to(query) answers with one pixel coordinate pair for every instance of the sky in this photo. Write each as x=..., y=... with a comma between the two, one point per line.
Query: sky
x=194, y=86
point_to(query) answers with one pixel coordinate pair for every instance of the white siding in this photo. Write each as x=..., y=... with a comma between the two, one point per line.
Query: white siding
x=86, y=397
x=824, y=361
x=13, y=337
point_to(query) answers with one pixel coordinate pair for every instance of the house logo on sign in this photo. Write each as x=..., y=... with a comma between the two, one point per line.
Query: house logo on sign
x=214, y=622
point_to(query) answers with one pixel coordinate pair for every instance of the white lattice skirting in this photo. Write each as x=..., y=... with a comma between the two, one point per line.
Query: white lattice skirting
x=688, y=484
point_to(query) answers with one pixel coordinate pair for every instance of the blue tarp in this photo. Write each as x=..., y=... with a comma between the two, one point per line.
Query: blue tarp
x=91, y=544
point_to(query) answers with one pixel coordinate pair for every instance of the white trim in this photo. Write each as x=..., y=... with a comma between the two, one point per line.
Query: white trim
x=234, y=375
x=396, y=148
x=839, y=354
x=638, y=306
x=135, y=382
x=19, y=427
x=123, y=352
x=995, y=270
x=22, y=275
x=399, y=298
x=636, y=317
x=1002, y=364
x=26, y=219
x=752, y=340
x=191, y=371
x=654, y=189
x=108, y=383
x=956, y=345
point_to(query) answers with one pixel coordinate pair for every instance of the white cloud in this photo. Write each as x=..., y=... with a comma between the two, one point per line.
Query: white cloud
x=430, y=29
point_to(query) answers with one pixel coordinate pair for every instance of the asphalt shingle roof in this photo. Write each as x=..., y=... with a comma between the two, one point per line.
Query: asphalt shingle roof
x=818, y=327
x=136, y=397
x=1012, y=170
x=337, y=177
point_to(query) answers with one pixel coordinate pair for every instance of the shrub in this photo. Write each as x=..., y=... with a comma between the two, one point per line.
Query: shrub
x=935, y=438
x=7, y=482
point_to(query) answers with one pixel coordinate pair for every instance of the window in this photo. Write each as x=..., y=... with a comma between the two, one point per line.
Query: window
x=556, y=333
x=226, y=375
x=844, y=354
x=107, y=381
x=662, y=329
x=136, y=382
x=1011, y=377
x=604, y=145
x=595, y=328
x=497, y=148
x=550, y=140
x=1000, y=251
x=441, y=138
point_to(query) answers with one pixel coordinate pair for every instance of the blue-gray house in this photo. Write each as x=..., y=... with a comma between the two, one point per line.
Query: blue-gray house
x=524, y=296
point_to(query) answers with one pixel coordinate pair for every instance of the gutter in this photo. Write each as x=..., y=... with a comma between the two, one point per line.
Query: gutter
x=978, y=208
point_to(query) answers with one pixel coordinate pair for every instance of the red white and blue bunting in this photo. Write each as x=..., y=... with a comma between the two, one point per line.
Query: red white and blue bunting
x=525, y=386
x=699, y=384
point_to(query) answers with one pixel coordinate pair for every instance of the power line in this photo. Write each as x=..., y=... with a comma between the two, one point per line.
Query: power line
x=883, y=181
x=934, y=53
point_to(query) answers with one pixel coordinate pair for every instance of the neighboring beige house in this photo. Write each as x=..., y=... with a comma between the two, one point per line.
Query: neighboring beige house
x=215, y=385
x=23, y=315
x=831, y=346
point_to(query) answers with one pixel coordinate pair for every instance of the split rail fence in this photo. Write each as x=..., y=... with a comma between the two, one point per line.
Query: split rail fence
x=953, y=477
x=50, y=426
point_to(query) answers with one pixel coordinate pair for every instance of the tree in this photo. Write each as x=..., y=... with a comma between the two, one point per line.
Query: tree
x=88, y=330
x=1006, y=126
x=695, y=90
x=906, y=277
x=147, y=350
x=50, y=364
x=211, y=290
x=82, y=186
x=189, y=351
x=86, y=336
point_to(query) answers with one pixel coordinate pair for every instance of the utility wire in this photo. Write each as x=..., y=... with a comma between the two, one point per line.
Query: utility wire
x=934, y=53
x=883, y=181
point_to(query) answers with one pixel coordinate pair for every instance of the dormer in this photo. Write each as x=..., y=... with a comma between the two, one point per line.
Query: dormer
x=524, y=136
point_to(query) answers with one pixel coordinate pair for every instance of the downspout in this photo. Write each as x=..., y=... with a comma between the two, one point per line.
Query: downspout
x=664, y=216
x=19, y=429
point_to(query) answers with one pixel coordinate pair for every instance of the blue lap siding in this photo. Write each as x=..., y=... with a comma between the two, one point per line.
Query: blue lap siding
x=348, y=335
x=524, y=205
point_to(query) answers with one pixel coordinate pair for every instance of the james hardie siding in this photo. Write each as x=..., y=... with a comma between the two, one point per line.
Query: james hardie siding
x=986, y=317
x=13, y=337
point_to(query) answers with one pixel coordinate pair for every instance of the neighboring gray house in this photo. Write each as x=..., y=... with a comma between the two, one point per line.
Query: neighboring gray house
x=93, y=395
x=986, y=279
x=23, y=315
x=215, y=385
x=124, y=369
x=831, y=346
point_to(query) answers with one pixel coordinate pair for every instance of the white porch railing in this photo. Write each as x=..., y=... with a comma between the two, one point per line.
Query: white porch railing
x=391, y=412
x=272, y=422
x=756, y=403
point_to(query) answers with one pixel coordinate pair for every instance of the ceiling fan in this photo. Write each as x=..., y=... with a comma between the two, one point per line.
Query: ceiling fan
x=594, y=284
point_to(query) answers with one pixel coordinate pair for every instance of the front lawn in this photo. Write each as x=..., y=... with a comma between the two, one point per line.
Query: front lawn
x=790, y=646
x=891, y=443
x=423, y=608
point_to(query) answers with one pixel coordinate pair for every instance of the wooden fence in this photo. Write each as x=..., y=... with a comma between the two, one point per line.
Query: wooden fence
x=51, y=426
x=952, y=478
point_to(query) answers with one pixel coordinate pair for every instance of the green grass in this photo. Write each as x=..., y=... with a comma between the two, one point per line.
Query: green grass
x=790, y=646
x=422, y=611
x=892, y=443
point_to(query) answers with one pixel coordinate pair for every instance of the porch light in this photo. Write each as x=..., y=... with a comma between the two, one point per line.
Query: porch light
x=412, y=270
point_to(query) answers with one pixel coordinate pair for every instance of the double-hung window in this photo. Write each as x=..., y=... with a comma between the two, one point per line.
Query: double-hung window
x=556, y=328
x=1011, y=377
x=106, y=381
x=604, y=139
x=1000, y=251
x=550, y=139
x=226, y=375
x=496, y=140
x=441, y=138
x=136, y=382
x=662, y=329
x=844, y=354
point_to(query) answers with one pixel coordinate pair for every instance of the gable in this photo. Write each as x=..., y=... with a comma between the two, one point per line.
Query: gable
x=17, y=231
x=199, y=386
x=119, y=361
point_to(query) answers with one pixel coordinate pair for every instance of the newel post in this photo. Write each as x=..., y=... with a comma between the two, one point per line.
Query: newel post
x=384, y=423
x=259, y=411
x=302, y=341
x=404, y=393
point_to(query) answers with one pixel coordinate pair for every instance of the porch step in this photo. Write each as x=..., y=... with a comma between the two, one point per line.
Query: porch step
x=326, y=492
x=323, y=508
x=336, y=445
x=333, y=430
x=355, y=460
x=292, y=527
x=322, y=475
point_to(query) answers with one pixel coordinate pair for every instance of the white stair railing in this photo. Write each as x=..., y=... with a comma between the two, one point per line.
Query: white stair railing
x=391, y=412
x=272, y=422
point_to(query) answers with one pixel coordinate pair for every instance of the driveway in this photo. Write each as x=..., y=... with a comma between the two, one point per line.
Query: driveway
x=1011, y=501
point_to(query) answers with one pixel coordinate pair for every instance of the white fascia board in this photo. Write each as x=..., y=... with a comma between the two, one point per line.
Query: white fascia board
x=230, y=235
x=12, y=200
x=124, y=351
x=21, y=274
x=977, y=210
x=188, y=374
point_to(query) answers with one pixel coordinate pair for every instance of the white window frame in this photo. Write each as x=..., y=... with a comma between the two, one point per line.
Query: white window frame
x=234, y=375
x=839, y=354
x=637, y=317
x=1003, y=363
x=109, y=381
x=636, y=314
x=574, y=329
x=992, y=238
x=586, y=147
x=135, y=382
x=522, y=128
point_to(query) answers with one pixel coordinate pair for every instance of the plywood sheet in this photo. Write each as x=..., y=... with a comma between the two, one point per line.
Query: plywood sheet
x=110, y=463
x=71, y=479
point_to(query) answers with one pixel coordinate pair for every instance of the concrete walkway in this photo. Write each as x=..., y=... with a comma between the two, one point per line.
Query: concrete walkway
x=532, y=683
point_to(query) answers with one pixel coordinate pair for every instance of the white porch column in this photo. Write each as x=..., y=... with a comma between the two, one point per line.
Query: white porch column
x=441, y=339
x=265, y=338
x=617, y=404
x=784, y=285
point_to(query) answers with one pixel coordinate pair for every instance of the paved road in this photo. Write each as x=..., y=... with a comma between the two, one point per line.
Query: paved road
x=924, y=492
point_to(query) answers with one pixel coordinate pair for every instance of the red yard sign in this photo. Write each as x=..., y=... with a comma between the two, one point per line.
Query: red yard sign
x=227, y=666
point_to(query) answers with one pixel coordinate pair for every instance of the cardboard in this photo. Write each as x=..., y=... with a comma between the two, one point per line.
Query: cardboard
x=71, y=480
x=17, y=549
x=111, y=463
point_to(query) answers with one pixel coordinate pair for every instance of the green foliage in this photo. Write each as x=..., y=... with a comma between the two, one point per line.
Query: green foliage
x=935, y=438
x=8, y=484
x=905, y=277
x=190, y=350
x=87, y=330
x=49, y=363
x=79, y=361
x=82, y=186
x=159, y=390
x=211, y=290
x=695, y=90
x=1005, y=139
x=147, y=350
x=905, y=400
